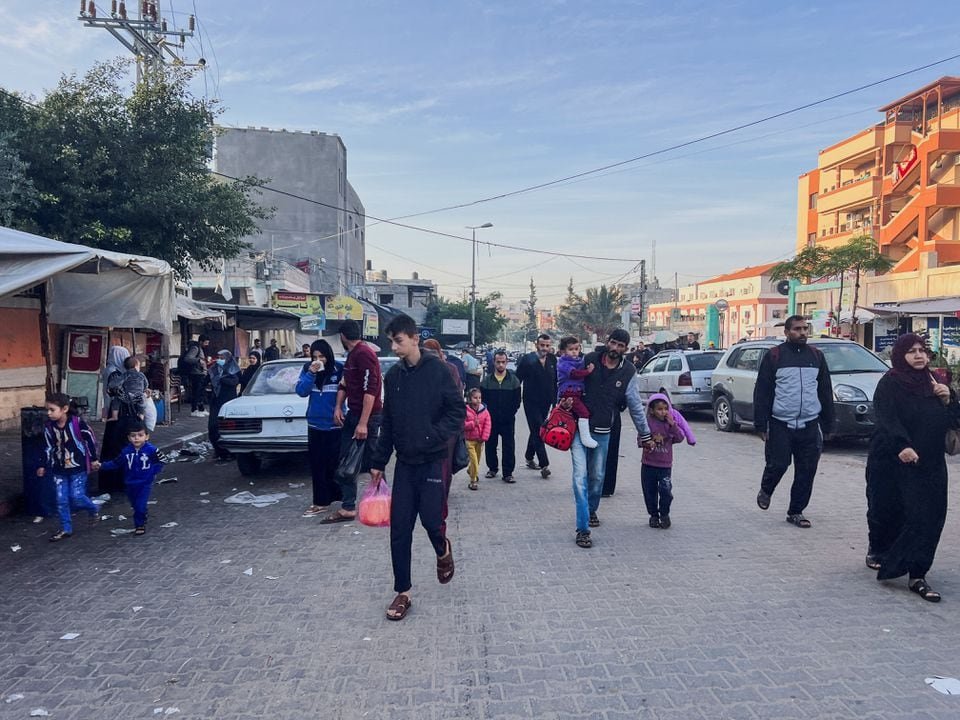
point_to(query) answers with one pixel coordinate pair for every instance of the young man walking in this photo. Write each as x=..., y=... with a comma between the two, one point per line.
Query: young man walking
x=360, y=384
x=422, y=410
x=611, y=386
x=500, y=390
x=792, y=411
x=538, y=373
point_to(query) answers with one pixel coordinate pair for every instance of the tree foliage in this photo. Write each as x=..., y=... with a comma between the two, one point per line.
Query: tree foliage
x=531, y=327
x=127, y=170
x=489, y=320
x=596, y=311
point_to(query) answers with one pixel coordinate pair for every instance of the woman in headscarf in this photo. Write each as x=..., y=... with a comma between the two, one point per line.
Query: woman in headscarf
x=224, y=378
x=253, y=364
x=906, y=467
x=114, y=435
x=319, y=381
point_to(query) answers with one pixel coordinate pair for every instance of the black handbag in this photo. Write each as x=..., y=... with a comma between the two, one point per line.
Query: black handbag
x=350, y=462
x=460, y=457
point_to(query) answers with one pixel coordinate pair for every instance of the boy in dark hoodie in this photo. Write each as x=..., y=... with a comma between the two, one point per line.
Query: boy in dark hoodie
x=657, y=467
x=141, y=462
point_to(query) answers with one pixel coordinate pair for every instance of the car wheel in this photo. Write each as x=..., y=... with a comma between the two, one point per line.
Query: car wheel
x=723, y=415
x=248, y=463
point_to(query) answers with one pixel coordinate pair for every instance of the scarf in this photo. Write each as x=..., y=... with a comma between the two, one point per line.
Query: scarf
x=217, y=371
x=916, y=382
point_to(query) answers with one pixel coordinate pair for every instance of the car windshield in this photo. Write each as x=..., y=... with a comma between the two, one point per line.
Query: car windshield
x=279, y=379
x=850, y=358
x=703, y=361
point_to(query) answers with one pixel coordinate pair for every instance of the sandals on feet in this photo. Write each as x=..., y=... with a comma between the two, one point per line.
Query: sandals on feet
x=921, y=588
x=474, y=485
x=594, y=521
x=584, y=540
x=872, y=561
x=140, y=531
x=399, y=607
x=491, y=474
x=313, y=511
x=445, y=565
x=337, y=517
x=58, y=536
x=799, y=520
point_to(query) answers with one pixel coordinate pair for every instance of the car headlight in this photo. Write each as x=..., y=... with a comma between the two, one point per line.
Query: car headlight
x=849, y=393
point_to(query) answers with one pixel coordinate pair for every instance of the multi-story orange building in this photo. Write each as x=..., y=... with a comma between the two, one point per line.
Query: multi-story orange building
x=899, y=182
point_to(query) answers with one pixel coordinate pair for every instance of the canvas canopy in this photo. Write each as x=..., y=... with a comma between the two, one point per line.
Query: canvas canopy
x=931, y=306
x=87, y=286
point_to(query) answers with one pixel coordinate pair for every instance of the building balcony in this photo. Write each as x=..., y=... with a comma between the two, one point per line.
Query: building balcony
x=851, y=194
x=866, y=142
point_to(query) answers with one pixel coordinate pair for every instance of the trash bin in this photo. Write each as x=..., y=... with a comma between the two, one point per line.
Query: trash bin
x=40, y=494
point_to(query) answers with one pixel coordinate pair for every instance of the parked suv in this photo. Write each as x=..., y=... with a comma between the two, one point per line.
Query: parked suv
x=682, y=375
x=854, y=373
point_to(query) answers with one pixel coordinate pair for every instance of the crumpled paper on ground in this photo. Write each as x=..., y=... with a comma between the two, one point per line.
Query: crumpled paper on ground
x=245, y=497
x=944, y=685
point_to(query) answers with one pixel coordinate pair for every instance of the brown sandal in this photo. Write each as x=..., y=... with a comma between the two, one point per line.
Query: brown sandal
x=445, y=565
x=399, y=607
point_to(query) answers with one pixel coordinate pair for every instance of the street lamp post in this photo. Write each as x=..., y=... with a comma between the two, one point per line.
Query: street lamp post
x=473, y=280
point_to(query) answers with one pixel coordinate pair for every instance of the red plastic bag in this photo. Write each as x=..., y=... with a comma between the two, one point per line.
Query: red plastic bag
x=374, y=507
x=558, y=429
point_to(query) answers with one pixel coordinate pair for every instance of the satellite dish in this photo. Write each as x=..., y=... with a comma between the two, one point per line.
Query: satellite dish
x=783, y=287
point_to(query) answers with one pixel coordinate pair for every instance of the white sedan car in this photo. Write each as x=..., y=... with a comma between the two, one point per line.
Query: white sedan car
x=269, y=418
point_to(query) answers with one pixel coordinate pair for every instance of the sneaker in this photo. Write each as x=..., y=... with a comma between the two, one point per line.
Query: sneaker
x=654, y=521
x=491, y=474
x=763, y=500
x=664, y=522
x=532, y=465
x=583, y=539
x=204, y=413
x=509, y=479
x=196, y=413
x=594, y=520
x=799, y=520
x=545, y=472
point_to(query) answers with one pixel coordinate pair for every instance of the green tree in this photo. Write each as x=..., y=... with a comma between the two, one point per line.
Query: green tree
x=598, y=311
x=489, y=320
x=531, y=326
x=860, y=255
x=16, y=189
x=127, y=170
x=811, y=262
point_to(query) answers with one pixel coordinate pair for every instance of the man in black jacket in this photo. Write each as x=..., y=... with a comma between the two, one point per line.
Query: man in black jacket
x=500, y=390
x=538, y=373
x=193, y=369
x=422, y=410
x=792, y=411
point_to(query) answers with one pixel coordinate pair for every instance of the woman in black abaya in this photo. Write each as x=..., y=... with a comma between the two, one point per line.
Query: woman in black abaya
x=906, y=467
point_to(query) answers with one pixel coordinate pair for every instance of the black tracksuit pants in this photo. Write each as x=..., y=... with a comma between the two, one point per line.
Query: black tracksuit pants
x=535, y=446
x=417, y=490
x=803, y=446
x=323, y=447
x=502, y=431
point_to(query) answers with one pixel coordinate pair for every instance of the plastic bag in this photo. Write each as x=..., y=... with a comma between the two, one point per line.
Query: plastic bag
x=351, y=461
x=374, y=507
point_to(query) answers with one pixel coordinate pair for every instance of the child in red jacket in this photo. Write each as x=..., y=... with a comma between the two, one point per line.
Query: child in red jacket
x=476, y=431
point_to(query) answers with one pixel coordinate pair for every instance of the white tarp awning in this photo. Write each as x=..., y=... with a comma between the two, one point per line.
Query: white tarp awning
x=932, y=306
x=87, y=286
x=191, y=310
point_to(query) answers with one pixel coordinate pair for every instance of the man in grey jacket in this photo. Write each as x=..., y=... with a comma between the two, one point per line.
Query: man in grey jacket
x=793, y=411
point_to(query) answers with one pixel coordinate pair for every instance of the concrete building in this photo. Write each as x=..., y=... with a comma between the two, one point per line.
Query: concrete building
x=330, y=239
x=409, y=296
x=754, y=305
x=899, y=182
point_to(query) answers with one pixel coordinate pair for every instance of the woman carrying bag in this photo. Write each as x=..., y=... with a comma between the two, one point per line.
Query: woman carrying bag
x=906, y=467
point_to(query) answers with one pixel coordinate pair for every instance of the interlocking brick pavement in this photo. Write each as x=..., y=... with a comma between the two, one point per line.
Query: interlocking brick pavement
x=731, y=613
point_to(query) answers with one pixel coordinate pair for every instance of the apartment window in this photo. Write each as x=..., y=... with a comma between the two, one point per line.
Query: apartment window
x=386, y=299
x=813, y=201
x=811, y=239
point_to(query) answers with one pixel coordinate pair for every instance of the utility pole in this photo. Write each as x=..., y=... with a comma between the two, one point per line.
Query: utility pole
x=643, y=291
x=147, y=37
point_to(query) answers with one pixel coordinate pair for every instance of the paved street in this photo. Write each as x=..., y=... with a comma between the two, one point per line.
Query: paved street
x=731, y=613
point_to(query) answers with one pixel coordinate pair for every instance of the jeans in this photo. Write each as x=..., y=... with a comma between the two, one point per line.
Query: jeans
x=504, y=431
x=588, y=469
x=804, y=446
x=657, y=490
x=138, y=494
x=417, y=490
x=71, y=494
x=348, y=486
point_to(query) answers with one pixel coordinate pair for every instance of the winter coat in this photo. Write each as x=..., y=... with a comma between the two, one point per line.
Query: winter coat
x=138, y=466
x=422, y=411
x=69, y=449
x=793, y=386
x=193, y=362
x=539, y=381
x=321, y=388
x=477, y=424
x=502, y=397
x=607, y=391
x=570, y=375
x=664, y=436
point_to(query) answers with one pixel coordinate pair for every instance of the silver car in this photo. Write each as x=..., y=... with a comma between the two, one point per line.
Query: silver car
x=854, y=373
x=684, y=376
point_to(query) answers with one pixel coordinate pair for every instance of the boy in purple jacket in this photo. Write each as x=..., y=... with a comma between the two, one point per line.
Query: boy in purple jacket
x=657, y=461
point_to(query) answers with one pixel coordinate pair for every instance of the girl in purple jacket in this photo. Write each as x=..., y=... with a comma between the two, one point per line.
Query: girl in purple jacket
x=657, y=467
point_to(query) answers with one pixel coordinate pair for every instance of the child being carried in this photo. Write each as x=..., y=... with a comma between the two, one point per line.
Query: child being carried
x=570, y=376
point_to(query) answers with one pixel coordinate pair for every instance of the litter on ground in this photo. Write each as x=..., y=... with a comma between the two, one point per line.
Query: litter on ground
x=297, y=485
x=271, y=577
x=39, y=712
x=137, y=608
x=121, y=518
x=246, y=497
x=117, y=532
x=16, y=548
x=70, y=636
x=164, y=481
x=205, y=492
x=106, y=517
x=169, y=525
x=944, y=685
x=248, y=571
x=13, y=698
x=101, y=499
x=113, y=572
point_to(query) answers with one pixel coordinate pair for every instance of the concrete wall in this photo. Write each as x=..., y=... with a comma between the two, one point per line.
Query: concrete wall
x=311, y=165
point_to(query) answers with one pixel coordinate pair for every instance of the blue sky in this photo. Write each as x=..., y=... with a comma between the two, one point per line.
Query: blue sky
x=442, y=103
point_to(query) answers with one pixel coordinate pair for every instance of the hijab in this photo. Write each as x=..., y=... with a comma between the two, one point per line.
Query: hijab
x=916, y=382
x=217, y=371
